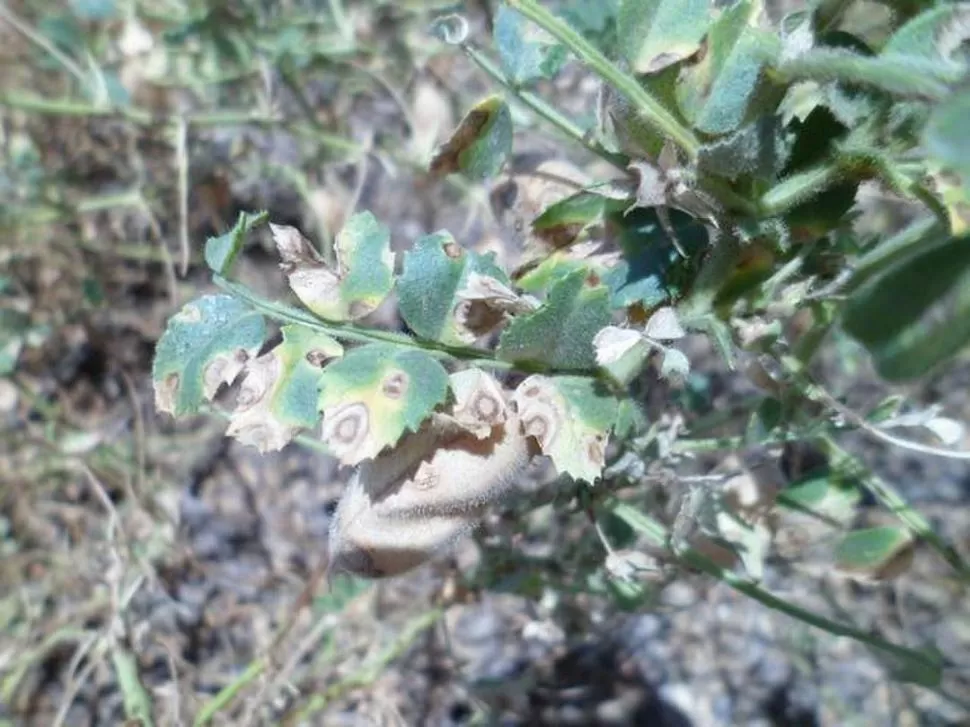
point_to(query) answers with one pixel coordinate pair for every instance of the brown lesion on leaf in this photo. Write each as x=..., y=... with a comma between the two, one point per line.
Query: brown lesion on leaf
x=359, y=309
x=317, y=358
x=453, y=250
x=345, y=429
x=223, y=369
x=596, y=450
x=260, y=376
x=395, y=385
x=485, y=406
x=446, y=158
x=475, y=318
x=166, y=391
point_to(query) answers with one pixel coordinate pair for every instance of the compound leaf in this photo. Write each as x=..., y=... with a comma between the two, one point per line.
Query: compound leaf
x=435, y=273
x=570, y=418
x=481, y=144
x=356, y=285
x=561, y=331
x=655, y=34
x=205, y=345
x=278, y=395
x=221, y=251
x=526, y=51
x=374, y=394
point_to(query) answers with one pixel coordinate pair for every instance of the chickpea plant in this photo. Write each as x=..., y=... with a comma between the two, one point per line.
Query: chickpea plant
x=738, y=145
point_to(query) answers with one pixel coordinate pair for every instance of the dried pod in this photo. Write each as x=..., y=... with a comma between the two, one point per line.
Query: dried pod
x=421, y=497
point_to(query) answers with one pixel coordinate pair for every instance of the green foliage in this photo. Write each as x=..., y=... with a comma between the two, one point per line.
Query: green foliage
x=739, y=150
x=374, y=394
x=570, y=417
x=527, y=53
x=278, y=394
x=205, y=345
x=655, y=34
x=916, y=314
x=945, y=135
x=560, y=333
x=356, y=284
x=715, y=94
x=221, y=251
x=872, y=551
x=481, y=144
x=433, y=290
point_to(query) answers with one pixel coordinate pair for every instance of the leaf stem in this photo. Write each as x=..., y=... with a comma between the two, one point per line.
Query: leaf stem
x=652, y=110
x=659, y=534
x=543, y=109
x=352, y=332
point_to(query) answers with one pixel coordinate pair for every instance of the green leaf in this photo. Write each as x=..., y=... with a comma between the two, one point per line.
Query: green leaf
x=278, y=395
x=934, y=36
x=221, y=251
x=205, y=345
x=562, y=222
x=374, y=394
x=759, y=150
x=560, y=333
x=945, y=136
x=570, y=418
x=435, y=272
x=715, y=93
x=358, y=283
x=824, y=497
x=526, y=51
x=916, y=315
x=481, y=144
x=874, y=552
x=655, y=34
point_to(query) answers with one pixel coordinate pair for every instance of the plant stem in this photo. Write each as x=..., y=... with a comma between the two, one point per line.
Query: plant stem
x=798, y=188
x=352, y=332
x=652, y=110
x=656, y=532
x=543, y=109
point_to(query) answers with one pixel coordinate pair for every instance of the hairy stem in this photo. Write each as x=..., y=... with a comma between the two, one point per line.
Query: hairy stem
x=798, y=188
x=652, y=110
